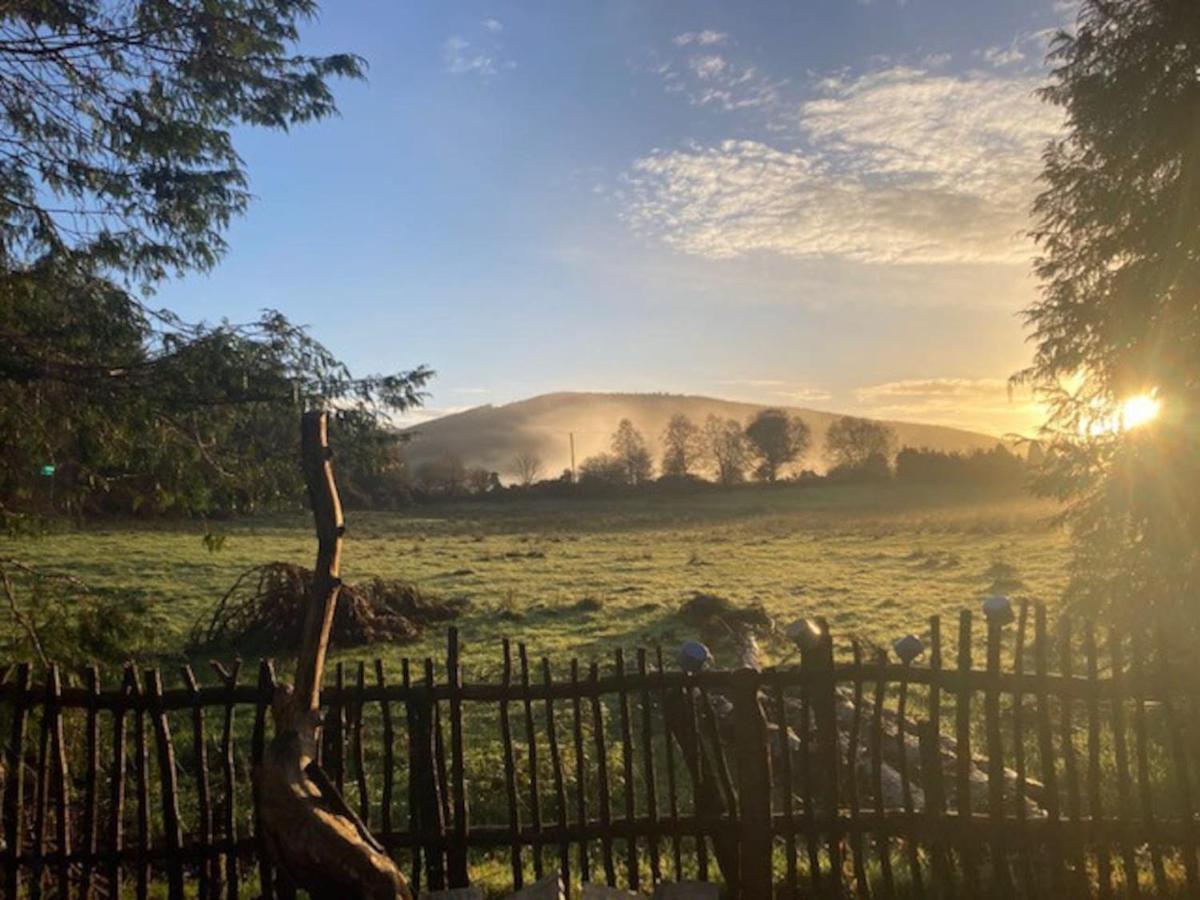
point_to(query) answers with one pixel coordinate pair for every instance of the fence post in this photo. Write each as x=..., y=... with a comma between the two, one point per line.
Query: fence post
x=456, y=857
x=14, y=788
x=818, y=665
x=932, y=775
x=428, y=800
x=754, y=786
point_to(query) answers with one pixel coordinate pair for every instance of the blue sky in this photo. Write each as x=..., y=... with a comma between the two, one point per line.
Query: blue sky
x=818, y=203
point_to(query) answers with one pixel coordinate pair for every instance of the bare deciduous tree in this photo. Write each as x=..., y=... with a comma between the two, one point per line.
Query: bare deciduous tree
x=682, y=447
x=725, y=445
x=851, y=442
x=629, y=448
x=527, y=466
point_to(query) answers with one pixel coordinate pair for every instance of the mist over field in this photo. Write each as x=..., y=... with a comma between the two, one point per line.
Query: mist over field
x=491, y=437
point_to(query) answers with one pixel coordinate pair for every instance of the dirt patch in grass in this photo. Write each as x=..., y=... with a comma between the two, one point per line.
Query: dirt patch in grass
x=710, y=612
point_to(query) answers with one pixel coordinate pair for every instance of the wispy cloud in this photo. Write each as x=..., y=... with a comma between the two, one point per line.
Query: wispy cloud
x=462, y=58
x=900, y=165
x=706, y=38
x=786, y=391
x=754, y=382
x=951, y=400
x=1004, y=56
x=479, y=55
x=707, y=75
x=804, y=395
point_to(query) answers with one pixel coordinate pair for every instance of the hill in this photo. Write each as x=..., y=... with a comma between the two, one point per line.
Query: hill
x=492, y=436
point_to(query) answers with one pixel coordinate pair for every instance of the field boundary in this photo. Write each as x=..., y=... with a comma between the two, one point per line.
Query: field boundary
x=1068, y=768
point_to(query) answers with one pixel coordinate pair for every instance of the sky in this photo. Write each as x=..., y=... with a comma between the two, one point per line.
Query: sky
x=819, y=203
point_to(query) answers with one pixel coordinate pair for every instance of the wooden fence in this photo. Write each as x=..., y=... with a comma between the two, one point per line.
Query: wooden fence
x=855, y=774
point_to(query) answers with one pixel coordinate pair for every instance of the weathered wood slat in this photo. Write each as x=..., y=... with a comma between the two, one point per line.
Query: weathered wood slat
x=91, y=801
x=433, y=745
x=41, y=796
x=931, y=760
x=882, y=844
x=1179, y=763
x=1121, y=751
x=1070, y=764
x=787, y=786
x=229, y=776
x=581, y=810
x=141, y=762
x=669, y=763
x=14, y=785
x=912, y=851
x=414, y=779
x=258, y=743
x=817, y=662
x=60, y=784
x=648, y=770
x=709, y=719
x=1001, y=877
x=556, y=768
x=1095, y=795
x=116, y=804
x=857, y=851
x=753, y=750
x=531, y=744
x=1142, y=749
x=694, y=761
x=510, y=775
x=601, y=744
x=1024, y=847
x=333, y=756
x=807, y=752
x=962, y=736
x=357, y=750
x=389, y=757
x=204, y=824
x=1046, y=757
x=627, y=753
x=168, y=787
x=456, y=861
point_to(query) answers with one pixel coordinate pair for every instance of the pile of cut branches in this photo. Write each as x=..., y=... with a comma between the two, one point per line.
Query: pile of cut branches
x=264, y=611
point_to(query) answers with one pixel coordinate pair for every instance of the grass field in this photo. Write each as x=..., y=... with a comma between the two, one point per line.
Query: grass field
x=580, y=577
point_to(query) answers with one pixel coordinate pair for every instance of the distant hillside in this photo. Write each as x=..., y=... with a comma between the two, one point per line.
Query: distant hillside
x=491, y=436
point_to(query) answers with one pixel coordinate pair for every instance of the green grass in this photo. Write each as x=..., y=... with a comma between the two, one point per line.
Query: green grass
x=579, y=578
x=875, y=561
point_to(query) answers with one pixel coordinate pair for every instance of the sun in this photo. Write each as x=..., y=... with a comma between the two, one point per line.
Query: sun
x=1131, y=413
x=1138, y=411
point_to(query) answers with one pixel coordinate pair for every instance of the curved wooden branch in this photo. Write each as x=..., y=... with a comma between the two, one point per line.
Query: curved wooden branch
x=315, y=456
x=317, y=841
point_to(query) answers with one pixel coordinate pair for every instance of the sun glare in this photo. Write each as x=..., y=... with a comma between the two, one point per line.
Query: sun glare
x=1133, y=412
x=1137, y=411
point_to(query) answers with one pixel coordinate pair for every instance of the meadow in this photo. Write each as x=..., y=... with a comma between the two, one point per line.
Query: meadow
x=583, y=576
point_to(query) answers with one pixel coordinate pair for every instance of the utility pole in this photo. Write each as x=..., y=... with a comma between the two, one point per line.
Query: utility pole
x=571, y=434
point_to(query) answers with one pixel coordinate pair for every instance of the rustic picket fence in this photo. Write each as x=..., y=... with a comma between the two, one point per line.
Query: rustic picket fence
x=635, y=773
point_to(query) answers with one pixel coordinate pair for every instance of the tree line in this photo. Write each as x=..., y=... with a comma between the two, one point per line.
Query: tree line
x=769, y=448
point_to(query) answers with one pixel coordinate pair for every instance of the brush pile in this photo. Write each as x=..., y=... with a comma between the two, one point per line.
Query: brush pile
x=264, y=611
